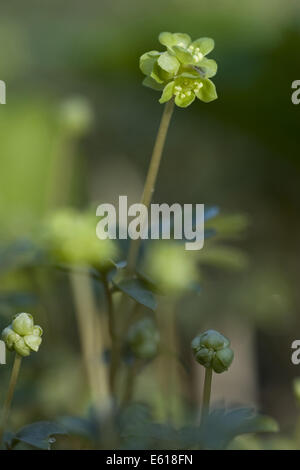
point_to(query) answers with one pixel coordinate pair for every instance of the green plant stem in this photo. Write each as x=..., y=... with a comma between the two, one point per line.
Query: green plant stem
x=10, y=393
x=115, y=347
x=131, y=376
x=152, y=175
x=206, y=392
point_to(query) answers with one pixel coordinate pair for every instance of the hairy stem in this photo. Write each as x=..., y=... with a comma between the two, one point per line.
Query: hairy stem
x=10, y=393
x=152, y=175
x=206, y=393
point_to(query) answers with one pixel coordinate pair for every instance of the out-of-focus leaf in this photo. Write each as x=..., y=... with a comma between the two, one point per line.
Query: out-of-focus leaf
x=223, y=257
x=39, y=434
x=136, y=289
x=221, y=426
x=229, y=226
x=78, y=426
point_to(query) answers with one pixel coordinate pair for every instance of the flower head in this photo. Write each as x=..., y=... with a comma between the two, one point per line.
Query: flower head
x=211, y=349
x=22, y=336
x=143, y=339
x=183, y=61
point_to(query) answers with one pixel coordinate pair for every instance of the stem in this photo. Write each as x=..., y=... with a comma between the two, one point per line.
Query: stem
x=206, y=393
x=115, y=348
x=91, y=341
x=130, y=381
x=10, y=393
x=152, y=175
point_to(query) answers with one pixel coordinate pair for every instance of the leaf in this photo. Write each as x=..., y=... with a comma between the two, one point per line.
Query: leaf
x=136, y=289
x=168, y=63
x=39, y=434
x=78, y=426
x=224, y=257
x=221, y=426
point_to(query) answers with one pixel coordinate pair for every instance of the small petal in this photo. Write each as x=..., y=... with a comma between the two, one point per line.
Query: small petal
x=214, y=340
x=166, y=39
x=23, y=324
x=151, y=83
x=147, y=61
x=181, y=39
x=167, y=93
x=33, y=342
x=37, y=330
x=184, y=56
x=209, y=67
x=176, y=39
x=183, y=100
x=205, y=45
x=168, y=63
x=208, y=92
x=9, y=336
x=21, y=348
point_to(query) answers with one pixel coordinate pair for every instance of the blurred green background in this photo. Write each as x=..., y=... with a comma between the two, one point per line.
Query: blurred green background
x=239, y=153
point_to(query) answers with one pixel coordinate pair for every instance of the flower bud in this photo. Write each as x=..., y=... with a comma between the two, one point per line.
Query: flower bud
x=10, y=337
x=21, y=348
x=23, y=324
x=143, y=339
x=22, y=336
x=33, y=342
x=211, y=349
x=222, y=360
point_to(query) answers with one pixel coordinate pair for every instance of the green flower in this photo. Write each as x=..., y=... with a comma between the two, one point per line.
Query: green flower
x=182, y=70
x=71, y=238
x=211, y=349
x=186, y=88
x=22, y=336
x=143, y=339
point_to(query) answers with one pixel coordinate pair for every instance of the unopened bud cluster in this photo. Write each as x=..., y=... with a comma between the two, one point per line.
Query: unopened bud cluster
x=143, y=339
x=22, y=335
x=211, y=350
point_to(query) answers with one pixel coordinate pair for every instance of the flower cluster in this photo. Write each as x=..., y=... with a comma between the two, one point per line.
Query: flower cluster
x=211, y=349
x=70, y=236
x=143, y=339
x=182, y=71
x=22, y=336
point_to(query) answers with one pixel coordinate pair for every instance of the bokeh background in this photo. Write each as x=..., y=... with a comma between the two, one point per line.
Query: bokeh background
x=78, y=130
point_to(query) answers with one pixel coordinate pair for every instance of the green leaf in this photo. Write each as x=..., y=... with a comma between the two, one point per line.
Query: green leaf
x=135, y=289
x=183, y=55
x=167, y=93
x=151, y=83
x=39, y=434
x=206, y=45
x=208, y=92
x=221, y=426
x=147, y=61
x=168, y=63
x=209, y=67
x=184, y=102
